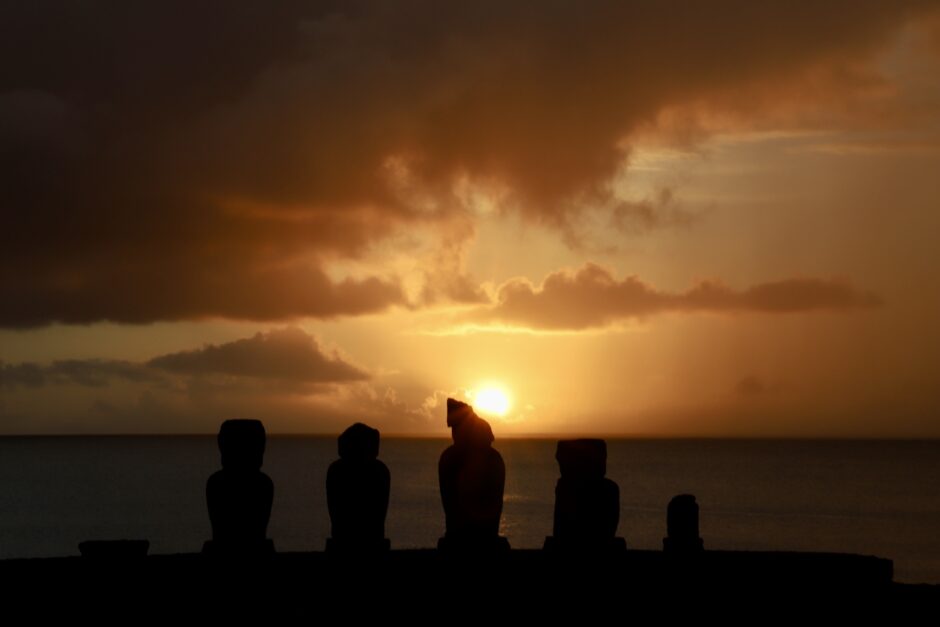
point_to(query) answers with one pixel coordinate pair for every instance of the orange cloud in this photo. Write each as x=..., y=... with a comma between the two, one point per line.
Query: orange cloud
x=592, y=297
x=131, y=143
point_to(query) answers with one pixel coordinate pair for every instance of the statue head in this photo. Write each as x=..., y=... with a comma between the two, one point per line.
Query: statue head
x=241, y=443
x=584, y=458
x=467, y=428
x=359, y=442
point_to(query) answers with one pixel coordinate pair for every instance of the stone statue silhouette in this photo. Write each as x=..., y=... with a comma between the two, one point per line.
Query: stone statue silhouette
x=472, y=478
x=682, y=525
x=357, y=489
x=587, y=504
x=240, y=496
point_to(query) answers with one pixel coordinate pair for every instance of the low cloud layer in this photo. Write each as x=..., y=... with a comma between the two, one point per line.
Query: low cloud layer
x=593, y=297
x=289, y=355
x=286, y=356
x=172, y=161
x=84, y=372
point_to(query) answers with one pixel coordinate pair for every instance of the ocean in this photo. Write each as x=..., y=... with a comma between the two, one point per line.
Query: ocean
x=869, y=497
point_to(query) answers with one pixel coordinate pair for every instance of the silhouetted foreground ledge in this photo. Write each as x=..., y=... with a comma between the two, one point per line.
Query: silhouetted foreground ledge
x=417, y=586
x=529, y=580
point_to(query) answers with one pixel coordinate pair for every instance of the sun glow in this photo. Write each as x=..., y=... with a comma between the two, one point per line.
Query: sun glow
x=491, y=400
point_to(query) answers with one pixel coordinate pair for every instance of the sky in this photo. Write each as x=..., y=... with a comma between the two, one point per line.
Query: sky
x=635, y=218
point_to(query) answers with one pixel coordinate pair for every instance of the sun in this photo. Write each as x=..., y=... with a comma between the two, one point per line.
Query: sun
x=491, y=400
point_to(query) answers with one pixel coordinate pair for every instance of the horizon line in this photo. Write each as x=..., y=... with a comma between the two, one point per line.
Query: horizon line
x=512, y=436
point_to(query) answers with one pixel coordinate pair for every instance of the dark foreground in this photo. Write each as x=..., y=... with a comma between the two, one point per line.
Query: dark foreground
x=424, y=584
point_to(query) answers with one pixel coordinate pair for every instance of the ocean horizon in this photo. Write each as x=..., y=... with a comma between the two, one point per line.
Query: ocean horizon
x=872, y=497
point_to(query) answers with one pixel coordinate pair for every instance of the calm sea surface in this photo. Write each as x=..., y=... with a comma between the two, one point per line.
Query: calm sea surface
x=871, y=497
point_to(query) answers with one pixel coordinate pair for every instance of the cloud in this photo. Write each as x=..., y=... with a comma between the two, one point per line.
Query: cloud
x=97, y=372
x=151, y=172
x=287, y=355
x=648, y=214
x=592, y=297
x=189, y=289
x=445, y=278
x=28, y=375
x=288, y=359
x=83, y=372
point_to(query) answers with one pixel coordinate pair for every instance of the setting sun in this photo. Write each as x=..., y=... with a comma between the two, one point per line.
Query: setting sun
x=491, y=400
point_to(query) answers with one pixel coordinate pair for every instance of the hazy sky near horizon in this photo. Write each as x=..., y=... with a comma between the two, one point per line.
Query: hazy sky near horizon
x=632, y=217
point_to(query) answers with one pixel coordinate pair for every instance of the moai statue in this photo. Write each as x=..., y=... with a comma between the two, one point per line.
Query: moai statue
x=357, y=489
x=472, y=478
x=587, y=504
x=682, y=525
x=240, y=496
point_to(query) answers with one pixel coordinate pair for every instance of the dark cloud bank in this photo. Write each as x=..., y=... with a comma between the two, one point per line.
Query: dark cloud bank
x=165, y=161
x=288, y=356
x=592, y=297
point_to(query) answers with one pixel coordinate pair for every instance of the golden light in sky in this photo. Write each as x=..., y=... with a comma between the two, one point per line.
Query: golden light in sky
x=491, y=400
x=518, y=232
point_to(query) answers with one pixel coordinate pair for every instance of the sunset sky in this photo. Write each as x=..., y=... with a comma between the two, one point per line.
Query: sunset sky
x=646, y=218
